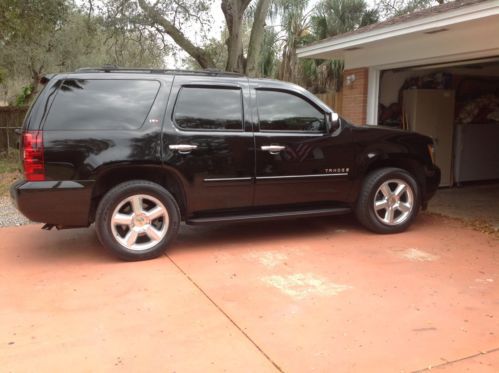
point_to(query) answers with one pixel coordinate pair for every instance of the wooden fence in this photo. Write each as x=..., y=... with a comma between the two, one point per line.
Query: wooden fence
x=11, y=118
x=332, y=99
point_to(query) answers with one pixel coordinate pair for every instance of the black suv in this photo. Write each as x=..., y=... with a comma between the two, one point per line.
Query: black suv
x=139, y=151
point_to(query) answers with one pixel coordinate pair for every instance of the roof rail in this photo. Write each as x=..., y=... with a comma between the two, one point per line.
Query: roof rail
x=116, y=69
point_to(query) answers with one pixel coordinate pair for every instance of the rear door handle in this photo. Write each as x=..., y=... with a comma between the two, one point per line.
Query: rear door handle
x=183, y=148
x=272, y=149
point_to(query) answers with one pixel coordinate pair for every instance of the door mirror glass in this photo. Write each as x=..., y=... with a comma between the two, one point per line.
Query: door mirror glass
x=333, y=121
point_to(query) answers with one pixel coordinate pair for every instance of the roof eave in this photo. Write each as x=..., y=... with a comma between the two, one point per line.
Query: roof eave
x=339, y=45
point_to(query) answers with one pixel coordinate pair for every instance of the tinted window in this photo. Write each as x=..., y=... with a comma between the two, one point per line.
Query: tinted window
x=280, y=111
x=209, y=109
x=101, y=104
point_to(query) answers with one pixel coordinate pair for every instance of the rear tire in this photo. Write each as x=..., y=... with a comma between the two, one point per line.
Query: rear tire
x=137, y=220
x=389, y=201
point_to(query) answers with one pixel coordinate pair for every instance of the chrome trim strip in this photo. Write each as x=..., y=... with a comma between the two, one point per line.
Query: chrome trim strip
x=299, y=176
x=229, y=179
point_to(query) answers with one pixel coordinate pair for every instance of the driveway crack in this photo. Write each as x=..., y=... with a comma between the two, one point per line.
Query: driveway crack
x=226, y=315
x=457, y=360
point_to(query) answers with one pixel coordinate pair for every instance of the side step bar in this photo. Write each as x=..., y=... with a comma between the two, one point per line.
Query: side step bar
x=268, y=216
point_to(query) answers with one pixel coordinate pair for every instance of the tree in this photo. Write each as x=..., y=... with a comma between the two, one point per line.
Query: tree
x=331, y=18
x=295, y=24
x=269, y=62
x=172, y=18
x=391, y=8
x=257, y=36
x=37, y=37
x=23, y=25
x=328, y=18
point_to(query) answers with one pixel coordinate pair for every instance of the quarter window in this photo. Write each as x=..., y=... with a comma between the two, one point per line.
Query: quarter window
x=83, y=104
x=206, y=108
x=281, y=111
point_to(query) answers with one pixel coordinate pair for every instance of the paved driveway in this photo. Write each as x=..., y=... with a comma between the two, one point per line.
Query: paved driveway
x=295, y=296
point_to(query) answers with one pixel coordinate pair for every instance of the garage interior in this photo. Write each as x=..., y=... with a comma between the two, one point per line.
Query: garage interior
x=457, y=104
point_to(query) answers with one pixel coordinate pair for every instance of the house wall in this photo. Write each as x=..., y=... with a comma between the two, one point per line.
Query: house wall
x=354, y=106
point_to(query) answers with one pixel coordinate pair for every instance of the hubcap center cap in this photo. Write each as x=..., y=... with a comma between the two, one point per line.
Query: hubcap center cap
x=140, y=220
x=392, y=200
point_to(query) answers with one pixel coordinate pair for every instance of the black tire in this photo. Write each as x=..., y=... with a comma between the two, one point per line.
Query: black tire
x=377, y=220
x=150, y=195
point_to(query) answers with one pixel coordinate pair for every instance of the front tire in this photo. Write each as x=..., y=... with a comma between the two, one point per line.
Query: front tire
x=389, y=201
x=137, y=220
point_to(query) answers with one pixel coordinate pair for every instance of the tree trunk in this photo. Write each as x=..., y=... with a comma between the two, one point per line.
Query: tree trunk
x=256, y=38
x=35, y=82
x=178, y=36
x=234, y=11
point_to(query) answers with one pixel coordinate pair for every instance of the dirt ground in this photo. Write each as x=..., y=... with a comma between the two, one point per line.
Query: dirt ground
x=312, y=295
x=475, y=204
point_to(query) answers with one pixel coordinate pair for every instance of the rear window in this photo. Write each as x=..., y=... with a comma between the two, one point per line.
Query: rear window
x=101, y=104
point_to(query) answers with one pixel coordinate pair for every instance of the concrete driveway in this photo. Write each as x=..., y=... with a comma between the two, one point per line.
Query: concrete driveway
x=295, y=296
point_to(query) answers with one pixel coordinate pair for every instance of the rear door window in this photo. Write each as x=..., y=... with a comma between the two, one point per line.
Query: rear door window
x=95, y=104
x=207, y=108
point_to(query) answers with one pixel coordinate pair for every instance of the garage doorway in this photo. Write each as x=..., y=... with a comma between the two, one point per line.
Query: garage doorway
x=457, y=104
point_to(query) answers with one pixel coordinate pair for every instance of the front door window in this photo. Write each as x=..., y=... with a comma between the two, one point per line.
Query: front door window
x=282, y=111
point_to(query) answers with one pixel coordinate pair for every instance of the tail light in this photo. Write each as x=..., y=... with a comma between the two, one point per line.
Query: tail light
x=33, y=162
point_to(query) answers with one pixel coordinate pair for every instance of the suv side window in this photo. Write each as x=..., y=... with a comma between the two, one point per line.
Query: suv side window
x=282, y=111
x=101, y=104
x=209, y=108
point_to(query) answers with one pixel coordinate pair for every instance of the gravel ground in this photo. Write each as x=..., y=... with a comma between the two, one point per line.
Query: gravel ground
x=9, y=216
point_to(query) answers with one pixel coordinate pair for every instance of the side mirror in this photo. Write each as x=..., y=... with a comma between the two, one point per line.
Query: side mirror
x=333, y=121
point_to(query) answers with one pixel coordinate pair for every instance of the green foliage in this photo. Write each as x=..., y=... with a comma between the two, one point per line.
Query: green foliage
x=23, y=98
x=50, y=36
x=187, y=16
x=391, y=8
x=334, y=17
x=268, y=56
x=329, y=18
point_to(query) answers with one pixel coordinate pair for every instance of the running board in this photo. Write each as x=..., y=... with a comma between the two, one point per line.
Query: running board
x=268, y=216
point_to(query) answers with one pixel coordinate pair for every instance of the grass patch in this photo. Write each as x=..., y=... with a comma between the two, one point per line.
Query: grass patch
x=9, y=170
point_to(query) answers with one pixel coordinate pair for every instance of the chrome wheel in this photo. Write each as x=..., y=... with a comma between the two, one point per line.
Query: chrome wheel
x=394, y=202
x=139, y=222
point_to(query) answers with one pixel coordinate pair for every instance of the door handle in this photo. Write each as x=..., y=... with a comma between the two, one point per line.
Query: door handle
x=183, y=148
x=272, y=149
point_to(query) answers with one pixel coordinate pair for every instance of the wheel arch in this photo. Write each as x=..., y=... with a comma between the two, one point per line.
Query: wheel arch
x=411, y=165
x=109, y=177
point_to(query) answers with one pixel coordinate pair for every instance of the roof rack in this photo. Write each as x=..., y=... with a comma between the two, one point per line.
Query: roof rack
x=116, y=69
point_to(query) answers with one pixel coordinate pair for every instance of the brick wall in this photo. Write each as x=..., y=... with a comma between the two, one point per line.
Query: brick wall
x=354, y=107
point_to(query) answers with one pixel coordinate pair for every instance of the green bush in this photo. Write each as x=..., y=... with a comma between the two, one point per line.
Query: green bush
x=23, y=98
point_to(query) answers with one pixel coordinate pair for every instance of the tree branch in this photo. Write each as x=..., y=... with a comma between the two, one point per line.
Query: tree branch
x=178, y=36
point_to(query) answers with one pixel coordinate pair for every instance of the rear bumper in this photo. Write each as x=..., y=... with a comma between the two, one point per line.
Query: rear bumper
x=62, y=203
